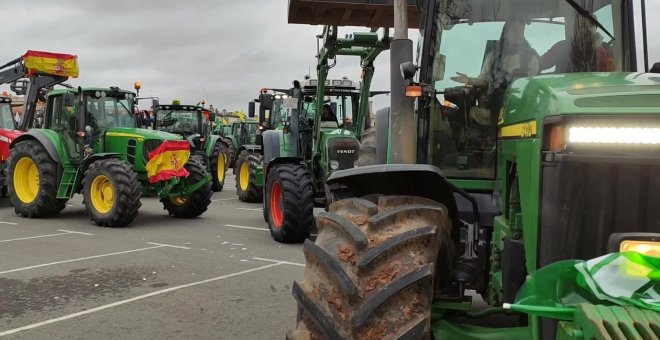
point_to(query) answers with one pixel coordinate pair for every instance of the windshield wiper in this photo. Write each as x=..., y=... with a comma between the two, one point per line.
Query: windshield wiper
x=586, y=14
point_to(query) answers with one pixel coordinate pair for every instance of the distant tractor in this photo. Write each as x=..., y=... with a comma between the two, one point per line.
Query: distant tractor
x=189, y=122
x=89, y=145
x=7, y=135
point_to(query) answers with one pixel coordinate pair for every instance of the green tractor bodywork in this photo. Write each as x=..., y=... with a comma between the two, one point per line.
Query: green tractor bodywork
x=89, y=145
x=548, y=167
x=189, y=122
x=322, y=121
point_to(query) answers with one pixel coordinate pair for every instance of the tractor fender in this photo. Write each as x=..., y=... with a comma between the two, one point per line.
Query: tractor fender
x=271, y=142
x=250, y=147
x=41, y=138
x=89, y=160
x=232, y=139
x=211, y=141
x=280, y=160
x=396, y=179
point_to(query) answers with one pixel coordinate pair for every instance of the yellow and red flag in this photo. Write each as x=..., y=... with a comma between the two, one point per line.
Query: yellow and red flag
x=65, y=65
x=167, y=161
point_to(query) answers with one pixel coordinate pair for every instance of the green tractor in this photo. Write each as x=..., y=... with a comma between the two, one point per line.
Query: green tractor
x=514, y=193
x=89, y=145
x=189, y=122
x=315, y=131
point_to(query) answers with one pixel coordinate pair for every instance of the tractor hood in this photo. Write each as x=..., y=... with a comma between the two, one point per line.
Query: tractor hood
x=9, y=134
x=581, y=94
x=141, y=134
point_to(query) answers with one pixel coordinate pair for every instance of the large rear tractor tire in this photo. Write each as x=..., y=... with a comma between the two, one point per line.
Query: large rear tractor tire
x=218, y=167
x=32, y=181
x=289, y=202
x=246, y=177
x=371, y=272
x=197, y=202
x=111, y=192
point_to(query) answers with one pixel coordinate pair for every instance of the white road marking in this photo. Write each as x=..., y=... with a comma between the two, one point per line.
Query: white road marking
x=79, y=259
x=140, y=297
x=167, y=245
x=278, y=261
x=244, y=227
x=31, y=237
x=251, y=209
x=75, y=232
x=224, y=199
x=10, y=223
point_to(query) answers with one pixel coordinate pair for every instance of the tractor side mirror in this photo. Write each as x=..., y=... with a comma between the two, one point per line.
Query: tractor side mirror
x=154, y=103
x=69, y=100
x=408, y=70
x=265, y=101
x=655, y=68
x=251, y=109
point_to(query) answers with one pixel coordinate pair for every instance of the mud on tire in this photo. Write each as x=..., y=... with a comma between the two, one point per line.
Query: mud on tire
x=252, y=192
x=46, y=203
x=292, y=220
x=370, y=274
x=218, y=179
x=125, y=192
x=197, y=202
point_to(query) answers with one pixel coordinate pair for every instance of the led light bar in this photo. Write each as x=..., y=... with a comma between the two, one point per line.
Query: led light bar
x=614, y=135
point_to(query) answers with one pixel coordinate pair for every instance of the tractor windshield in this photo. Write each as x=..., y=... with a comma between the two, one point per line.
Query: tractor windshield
x=480, y=47
x=178, y=121
x=109, y=112
x=6, y=118
x=338, y=109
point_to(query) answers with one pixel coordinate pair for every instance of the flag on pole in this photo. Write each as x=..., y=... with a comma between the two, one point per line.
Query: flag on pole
x=59, y=64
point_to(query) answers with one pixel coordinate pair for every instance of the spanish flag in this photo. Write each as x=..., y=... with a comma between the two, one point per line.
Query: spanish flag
x=167, y=161
x=65, y=65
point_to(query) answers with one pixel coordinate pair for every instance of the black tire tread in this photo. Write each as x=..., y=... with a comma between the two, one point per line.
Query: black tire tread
x=395, y=284
x=254, y=192
x=218, y=151
x=199, y=201
x=298, y=203
x=46, y=204
x=127, y=192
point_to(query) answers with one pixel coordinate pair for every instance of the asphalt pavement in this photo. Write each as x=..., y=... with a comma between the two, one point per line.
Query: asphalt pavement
x=219, y=276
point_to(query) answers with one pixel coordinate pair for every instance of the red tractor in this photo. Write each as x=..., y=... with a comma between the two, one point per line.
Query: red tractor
x=7, y=134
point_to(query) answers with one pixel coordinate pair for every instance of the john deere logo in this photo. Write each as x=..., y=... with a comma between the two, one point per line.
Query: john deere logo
x=346, y=151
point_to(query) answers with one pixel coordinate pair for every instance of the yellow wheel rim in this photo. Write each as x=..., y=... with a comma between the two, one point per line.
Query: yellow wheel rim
x=102, y=194
x=179, y=200
x=221, y=167
x=244, y=177
x=26, y=180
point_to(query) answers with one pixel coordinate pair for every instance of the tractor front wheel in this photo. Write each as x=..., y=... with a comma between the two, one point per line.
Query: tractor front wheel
x=32, y=181
x=111, y=192
x=247, y=188
x=289, y=202
x=196, y=203
x=218, y=168
x=371, y=272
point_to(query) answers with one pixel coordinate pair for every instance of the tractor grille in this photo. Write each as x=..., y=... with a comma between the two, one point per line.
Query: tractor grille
x=150, y=145
x=343, y=150
x=130, y=151
x=583, y=203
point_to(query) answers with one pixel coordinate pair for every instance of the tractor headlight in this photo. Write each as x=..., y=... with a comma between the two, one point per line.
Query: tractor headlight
x=613, y=135
x=334, y=165
x=336, y=82
x=643, y=243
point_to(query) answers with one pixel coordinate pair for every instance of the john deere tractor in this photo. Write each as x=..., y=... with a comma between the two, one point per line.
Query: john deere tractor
x=514, y=193
x=189, y=122
x=89, y=145
x=314, y=132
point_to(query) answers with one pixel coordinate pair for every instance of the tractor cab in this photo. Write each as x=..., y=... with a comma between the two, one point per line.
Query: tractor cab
x=188, y=121
x=6, y=117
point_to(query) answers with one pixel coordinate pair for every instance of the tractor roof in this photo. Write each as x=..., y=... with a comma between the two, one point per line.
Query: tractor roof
x=85, y=89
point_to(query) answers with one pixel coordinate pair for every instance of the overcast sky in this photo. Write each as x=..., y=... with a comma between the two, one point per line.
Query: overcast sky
x=218, y=50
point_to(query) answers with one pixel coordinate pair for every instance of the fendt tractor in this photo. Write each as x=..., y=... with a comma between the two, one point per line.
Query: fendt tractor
x=515, y=193
x=89, y=145
x=189, y=122
x=322, y=123
x=30, y=75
